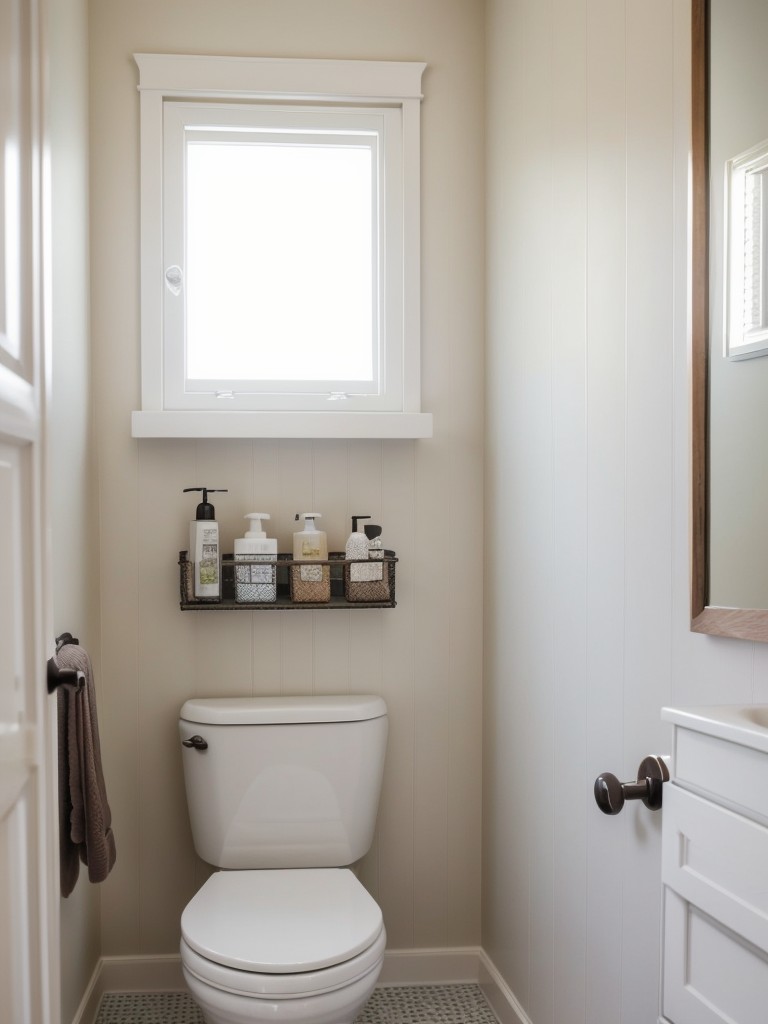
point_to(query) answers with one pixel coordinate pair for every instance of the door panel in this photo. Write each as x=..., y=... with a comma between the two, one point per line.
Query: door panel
x=28, y=906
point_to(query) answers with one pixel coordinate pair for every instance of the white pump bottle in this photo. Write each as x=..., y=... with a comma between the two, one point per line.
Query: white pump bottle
x=256, y=581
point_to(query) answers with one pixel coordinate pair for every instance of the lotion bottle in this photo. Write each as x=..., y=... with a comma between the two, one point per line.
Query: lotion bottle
x=204, y=548
x=256, y=581
x=310, y=583
x=371, y=582
x=357, y=549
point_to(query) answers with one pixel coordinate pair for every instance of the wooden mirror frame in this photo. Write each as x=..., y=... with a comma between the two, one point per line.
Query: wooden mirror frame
x=742, y=623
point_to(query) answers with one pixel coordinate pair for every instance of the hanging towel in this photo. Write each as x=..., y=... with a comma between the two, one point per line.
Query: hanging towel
x=85, y=820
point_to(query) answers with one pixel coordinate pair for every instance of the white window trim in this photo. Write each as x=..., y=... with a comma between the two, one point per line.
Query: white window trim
x=181, y=77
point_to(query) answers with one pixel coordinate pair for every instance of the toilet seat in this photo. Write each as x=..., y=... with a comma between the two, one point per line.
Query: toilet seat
x=305, y=985
x=282, y=922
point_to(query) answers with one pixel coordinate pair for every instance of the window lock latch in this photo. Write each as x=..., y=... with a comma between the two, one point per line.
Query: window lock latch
x=174, y=278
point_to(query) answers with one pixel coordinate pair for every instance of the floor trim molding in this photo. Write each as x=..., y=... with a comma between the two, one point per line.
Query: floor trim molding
x=160, y=973
x=503, y=1001
x=447, y=966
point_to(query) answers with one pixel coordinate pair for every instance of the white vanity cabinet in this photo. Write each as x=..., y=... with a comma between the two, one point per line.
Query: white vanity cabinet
x=715, y=867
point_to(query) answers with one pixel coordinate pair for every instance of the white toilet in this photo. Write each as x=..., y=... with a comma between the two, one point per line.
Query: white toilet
x=282, y=795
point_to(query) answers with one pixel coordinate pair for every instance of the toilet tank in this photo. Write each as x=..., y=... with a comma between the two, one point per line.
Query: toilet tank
x=283, y=781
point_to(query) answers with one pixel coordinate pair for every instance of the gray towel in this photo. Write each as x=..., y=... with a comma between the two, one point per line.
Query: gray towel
x=85, y=820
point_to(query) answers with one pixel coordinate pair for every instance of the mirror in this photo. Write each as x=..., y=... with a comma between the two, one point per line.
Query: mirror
x=729, y=594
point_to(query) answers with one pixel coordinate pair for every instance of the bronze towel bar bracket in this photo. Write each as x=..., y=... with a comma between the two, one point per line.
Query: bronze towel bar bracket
x=56, y=676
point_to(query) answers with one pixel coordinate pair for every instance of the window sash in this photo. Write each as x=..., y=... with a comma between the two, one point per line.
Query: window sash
x=379, y=129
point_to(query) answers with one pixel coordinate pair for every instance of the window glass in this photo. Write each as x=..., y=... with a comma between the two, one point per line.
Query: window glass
x=279, y=260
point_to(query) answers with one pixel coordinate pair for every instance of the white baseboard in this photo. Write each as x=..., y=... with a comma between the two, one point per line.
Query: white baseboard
x=501, y=997
x=161, y=973
x=453, y=966
x=458, y=965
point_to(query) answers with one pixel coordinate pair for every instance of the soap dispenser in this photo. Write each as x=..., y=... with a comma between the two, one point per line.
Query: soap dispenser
x=369, y=583
x=356, y=550
x=256, y=581
x=204, y=549
x=310, y=583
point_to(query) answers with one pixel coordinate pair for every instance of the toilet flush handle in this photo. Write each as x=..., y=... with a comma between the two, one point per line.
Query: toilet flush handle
x=195, y=741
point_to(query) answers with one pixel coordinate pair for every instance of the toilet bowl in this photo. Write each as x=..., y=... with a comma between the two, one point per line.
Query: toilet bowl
x=296, y=945
x=282, y=795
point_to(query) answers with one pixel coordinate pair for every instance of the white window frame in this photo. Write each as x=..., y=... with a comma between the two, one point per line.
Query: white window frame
x=741, y=342
x=184, y=124
x=388, y=93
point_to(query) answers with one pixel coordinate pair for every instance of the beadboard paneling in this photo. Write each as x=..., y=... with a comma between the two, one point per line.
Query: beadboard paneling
x=586, y=489
x=587, y=628
x=423, y=656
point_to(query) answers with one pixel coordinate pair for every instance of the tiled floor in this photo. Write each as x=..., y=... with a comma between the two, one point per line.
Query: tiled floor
x=429, y=1004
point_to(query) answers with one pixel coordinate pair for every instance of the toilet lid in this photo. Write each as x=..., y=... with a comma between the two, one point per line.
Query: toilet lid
x=281, y=922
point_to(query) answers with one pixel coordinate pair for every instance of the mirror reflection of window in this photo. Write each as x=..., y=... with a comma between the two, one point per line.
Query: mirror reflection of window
x=746, y=264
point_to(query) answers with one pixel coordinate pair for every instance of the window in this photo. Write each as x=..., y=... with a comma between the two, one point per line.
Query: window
x=746, y=264
x=280, y=247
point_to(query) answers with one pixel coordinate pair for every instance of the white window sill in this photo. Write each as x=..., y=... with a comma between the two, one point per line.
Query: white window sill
x=392, y=425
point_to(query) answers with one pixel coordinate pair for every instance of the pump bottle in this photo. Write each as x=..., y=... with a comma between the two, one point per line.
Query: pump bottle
x=357, y=549
x=256, y=581
x=369, y=581
x=204, y=548
x=310, y=583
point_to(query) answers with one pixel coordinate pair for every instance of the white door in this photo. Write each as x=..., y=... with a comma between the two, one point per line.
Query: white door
x=28, y=904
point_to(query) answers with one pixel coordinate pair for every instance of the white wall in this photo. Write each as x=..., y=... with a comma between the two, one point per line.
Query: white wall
x=74, y=572
x=424, y=656
x=586, y=613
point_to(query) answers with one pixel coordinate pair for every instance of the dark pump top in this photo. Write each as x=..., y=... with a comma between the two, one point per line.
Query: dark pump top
x=205, y=509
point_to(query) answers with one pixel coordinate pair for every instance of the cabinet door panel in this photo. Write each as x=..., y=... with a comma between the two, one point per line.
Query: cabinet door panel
x=718, y=861
x=711, y=975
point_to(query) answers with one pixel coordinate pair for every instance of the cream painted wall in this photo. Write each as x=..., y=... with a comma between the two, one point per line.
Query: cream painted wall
x=74, y=573
x=425, y=656
x=586, y=629
x=586, y=494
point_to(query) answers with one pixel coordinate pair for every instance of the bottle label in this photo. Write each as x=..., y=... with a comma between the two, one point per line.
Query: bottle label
x=310, y=550
x=256, y=580
x=312, y=573
x=359, y=572
x=258, y=569
x=208, y=566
